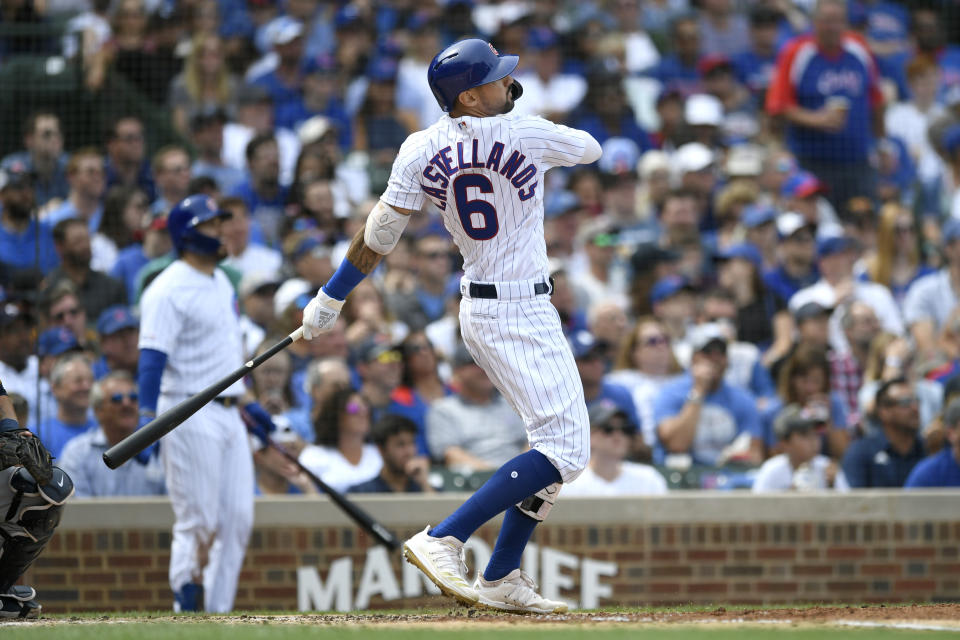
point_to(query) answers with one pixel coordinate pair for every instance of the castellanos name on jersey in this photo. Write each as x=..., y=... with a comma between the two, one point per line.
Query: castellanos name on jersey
x=486, y=176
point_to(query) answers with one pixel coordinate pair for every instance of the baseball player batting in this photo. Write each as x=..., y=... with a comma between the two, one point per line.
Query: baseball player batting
x=485, y=171
x=190, y=337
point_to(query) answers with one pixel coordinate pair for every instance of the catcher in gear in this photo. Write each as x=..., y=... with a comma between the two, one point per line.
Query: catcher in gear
x=32, y=493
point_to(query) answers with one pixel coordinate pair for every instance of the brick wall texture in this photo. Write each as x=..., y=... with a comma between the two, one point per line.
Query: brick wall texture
x=93, y=570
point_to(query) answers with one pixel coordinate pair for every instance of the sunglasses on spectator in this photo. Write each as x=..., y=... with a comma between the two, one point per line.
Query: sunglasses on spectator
x=905, y=401
x=654, y=341
x=715, y=348
x=61, y=315
x=610, y=429
x=416, y=348
x=118, y=398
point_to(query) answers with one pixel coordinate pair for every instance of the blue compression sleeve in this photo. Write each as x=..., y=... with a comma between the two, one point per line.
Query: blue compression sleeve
x=344, y=280
x=150, y=369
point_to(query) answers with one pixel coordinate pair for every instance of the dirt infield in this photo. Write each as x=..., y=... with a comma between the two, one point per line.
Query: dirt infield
x=929, y=616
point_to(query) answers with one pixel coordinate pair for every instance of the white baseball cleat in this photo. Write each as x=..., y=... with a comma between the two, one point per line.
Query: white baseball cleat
x=441, y=560
x=516, y=591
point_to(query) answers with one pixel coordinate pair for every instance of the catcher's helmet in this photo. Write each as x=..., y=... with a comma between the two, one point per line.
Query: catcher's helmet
x=464, y=65
x=184, y=218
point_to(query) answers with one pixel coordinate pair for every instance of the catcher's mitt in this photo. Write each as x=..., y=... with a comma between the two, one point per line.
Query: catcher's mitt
x=29, y=452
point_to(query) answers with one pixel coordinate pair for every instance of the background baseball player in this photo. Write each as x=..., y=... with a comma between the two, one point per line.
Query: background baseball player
x=189, y=338
x=486, y=174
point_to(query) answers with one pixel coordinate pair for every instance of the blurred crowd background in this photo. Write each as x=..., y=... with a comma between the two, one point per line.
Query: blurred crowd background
x=758, y=278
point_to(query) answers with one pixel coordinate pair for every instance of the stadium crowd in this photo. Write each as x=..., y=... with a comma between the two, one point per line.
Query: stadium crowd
x=761, y=272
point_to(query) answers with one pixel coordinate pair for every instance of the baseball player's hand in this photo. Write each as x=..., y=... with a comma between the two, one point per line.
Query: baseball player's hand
x=320, y=315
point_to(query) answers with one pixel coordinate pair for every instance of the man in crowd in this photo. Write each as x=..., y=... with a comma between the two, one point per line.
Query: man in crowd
x=243, y=253
x=262, y=192
x=488, y=432
x=85, y=200
x=701, y=415
x=42, y=157
x=591, y=356
x=379, y=367
x=18, y=367
x=608, y=473
x=127, y=155
x=171, y=173
x=886, y=457
x=71, y=381
x=403, y=470
x=932, y=298
x=119, y=333
x=114, y=402
x=207, y=129
x=796, y=257
x=942, y=469
x=25, y=242
x=426, y=303
x=96, y=290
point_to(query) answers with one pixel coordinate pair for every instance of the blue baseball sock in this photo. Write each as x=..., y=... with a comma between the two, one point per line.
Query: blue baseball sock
x=514, y=535
x=519, y=478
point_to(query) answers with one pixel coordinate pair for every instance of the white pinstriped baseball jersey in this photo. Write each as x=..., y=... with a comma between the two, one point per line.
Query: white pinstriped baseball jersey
x=192, y=317
x=487, y=177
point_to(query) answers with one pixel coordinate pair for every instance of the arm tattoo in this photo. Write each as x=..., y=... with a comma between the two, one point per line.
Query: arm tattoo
x=362, y=257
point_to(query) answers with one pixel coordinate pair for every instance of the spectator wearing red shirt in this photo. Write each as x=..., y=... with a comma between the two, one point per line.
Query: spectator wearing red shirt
x=825, y=87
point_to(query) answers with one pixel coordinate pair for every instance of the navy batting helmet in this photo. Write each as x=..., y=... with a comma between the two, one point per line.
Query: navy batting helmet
x=184, y=218
x=467, y=64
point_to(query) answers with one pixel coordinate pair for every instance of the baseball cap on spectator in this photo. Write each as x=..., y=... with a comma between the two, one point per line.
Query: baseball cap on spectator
x=797, y=419
x=810, y=310
x=652, y=161
x=116, y=318
x=252, y=94
x=542, y=38
x=951, y=230
x=744, y=160
x=285, y=30
x=15, y=176
x=742, y=250
x=320, y=63
x=649, y=254
x=702, y=109
x=605, y=412
x=620, y=156
x=755, y=215
x=461, y=356
x=56, y=341
x=347, y=16
x=709, y=64
x=314, y=129
x=789, y=223
x=801, y=184
x=703, y=336
x=376, y=349
x=557, y=203
x=382, y=69
x=306, y=245
x=583, y=345
x=832, y=245
x=692, y=157
x=668, y=287
x=258, y=282
x=207, y=116
x=951, y=139
x=288, y=292
x=11, y=312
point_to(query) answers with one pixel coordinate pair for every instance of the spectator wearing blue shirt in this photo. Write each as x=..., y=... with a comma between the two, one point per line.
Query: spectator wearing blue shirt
x=283, y=82
x=420, y=385
x=262, y=192
x=426, y=302
x=25, y=243
x=679, y=68
x=404, y=470
x=71, y=381
x=206, y=128
x=127, y=155
x=605, y=112
x=114, y=401
x=886, y=458
x=119, y=333
x=321, y=97
x=592, y=356
x=754, y=67
x=797, y=251
x=930, y=39
x=701, y=415
x=87, y=185
x=133, y=258
x=942, y=469
x=43, y=157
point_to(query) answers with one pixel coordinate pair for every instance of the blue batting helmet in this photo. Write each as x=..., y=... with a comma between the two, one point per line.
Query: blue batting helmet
x=464, y=65
x=184, y=218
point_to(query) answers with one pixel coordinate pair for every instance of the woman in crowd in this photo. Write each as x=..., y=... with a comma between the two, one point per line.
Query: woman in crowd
x=205, y=83
x=420, y=385
x=805, y=381
x=342, y=455
x=367, y=315
x=896, y=263
x=645, y=362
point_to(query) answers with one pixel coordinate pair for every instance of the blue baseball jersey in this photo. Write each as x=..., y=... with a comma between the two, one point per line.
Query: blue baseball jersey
x=807, y=77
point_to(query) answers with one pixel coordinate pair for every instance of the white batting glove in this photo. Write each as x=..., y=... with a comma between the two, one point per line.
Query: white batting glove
x=320, y=315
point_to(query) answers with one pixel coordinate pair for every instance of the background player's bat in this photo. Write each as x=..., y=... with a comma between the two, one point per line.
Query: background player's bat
x=383, y=535
x=173, y=417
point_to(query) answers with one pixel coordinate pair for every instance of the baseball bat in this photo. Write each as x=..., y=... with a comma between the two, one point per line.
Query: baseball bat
x=363, y=519
x=173, y=417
